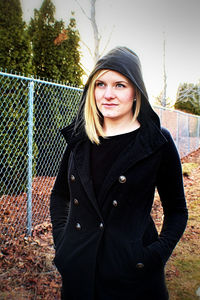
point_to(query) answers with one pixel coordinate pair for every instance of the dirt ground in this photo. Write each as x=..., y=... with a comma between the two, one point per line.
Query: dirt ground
x=27, y=271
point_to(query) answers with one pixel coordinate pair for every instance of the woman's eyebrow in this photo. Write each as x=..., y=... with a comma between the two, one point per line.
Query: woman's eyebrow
x=118, y=81
x=121, y=81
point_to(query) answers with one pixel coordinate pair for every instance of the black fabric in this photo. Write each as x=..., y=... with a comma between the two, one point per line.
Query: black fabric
x=105, y=154
x=104, y=260
x=98, y=249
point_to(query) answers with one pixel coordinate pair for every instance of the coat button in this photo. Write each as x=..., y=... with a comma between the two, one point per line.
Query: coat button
x=140, y=266
x=76, y=202
x=122, y=179
x=78, y=226
x=115, y=203
x=72, y=177
x=101, y=226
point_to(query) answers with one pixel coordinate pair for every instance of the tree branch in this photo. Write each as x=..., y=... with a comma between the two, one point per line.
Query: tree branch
x=88, y=48
x=108, y=41
x=83, y=11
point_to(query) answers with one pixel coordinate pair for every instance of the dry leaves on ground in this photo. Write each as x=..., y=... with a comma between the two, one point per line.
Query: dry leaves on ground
x=27, y=271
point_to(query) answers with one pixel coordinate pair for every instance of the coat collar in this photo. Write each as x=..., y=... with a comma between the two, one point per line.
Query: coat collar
x=148, y=141
x=71, y=136
x=82, y=164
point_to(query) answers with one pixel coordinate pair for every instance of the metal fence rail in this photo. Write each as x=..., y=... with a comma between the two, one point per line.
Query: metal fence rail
x=32, y=112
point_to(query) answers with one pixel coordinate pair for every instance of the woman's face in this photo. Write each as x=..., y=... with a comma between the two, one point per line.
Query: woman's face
x=114, y=95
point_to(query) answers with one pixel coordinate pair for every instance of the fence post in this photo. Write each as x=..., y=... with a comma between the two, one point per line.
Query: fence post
x=198, y=129
x=177, y=131
x=160, y=110
x=188, y=128
x=30, y=155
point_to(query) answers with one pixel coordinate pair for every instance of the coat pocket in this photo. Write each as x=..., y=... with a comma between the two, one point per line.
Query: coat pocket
x=143, y=260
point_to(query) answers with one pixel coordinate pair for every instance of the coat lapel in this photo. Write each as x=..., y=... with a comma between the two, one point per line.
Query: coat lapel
x=148, y=140
x=82, y=163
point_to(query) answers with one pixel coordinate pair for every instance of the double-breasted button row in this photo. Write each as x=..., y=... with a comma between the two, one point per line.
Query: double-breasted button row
x=78, y=226
x=122, y=179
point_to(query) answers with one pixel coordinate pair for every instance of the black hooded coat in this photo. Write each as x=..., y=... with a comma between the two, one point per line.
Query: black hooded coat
x=116, y=253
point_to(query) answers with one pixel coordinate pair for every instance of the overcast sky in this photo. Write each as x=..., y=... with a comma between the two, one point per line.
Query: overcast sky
x=139, y=24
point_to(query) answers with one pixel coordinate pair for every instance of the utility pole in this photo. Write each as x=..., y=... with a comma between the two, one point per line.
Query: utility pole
x=164, y=100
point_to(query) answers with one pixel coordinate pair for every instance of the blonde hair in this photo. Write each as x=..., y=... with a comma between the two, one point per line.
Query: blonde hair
x=92, y=118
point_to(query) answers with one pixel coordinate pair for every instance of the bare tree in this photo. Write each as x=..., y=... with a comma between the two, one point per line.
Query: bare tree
x=96, y=34
x=97, y=37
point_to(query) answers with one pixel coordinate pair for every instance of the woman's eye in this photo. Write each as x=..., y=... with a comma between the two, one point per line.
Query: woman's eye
x=120, y=85
x=100, y=84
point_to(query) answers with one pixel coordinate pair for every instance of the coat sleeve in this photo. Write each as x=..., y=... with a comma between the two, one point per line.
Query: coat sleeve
x=59, y=200
x=171, y=192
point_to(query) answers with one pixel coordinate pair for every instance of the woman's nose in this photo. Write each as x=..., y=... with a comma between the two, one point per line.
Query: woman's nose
x=109, y=93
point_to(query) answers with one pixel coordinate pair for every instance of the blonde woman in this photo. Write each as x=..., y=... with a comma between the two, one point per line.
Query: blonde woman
x=107, y=246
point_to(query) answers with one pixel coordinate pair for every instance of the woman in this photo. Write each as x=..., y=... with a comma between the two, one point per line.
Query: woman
x=107, y=246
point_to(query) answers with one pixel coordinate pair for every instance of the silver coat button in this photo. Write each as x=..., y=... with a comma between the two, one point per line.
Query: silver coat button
x=115, y=203
x=122, y=179
x=76, y=202
x=78, y=226
x=101, y=225
x=140, y=266
x=72, y=177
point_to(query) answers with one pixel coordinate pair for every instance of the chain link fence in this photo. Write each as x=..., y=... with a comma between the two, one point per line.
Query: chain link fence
x=32, y=112
x=184, y=128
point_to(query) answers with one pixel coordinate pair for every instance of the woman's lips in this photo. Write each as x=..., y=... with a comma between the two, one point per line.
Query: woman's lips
x=109, y=104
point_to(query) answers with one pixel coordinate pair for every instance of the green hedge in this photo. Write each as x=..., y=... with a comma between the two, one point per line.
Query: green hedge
x=188, y=98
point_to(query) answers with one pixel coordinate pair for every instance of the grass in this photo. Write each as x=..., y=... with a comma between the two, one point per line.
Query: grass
x=187, y=168
x=183, y=272
x=183, y=268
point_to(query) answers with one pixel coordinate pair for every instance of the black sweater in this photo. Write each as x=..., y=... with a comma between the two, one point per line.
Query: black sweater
x=105, y=154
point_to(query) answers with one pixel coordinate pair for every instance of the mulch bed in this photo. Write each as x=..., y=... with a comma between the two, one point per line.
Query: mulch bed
x=27, y=271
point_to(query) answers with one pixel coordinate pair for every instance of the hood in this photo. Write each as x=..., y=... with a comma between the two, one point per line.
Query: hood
x=126, y=62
